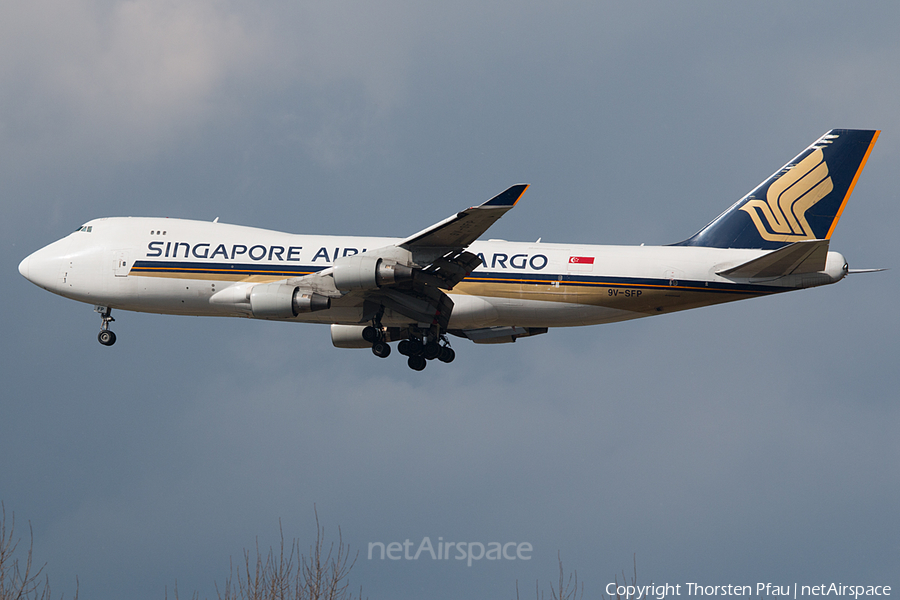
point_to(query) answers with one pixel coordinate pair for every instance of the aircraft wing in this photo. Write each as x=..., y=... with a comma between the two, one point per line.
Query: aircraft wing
x=466, y=226
x=409, y=277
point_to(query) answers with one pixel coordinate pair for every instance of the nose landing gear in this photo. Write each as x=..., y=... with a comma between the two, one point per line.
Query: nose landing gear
x=106, y=336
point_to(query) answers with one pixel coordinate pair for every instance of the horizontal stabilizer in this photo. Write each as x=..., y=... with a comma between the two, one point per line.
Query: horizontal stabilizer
x=799, y=257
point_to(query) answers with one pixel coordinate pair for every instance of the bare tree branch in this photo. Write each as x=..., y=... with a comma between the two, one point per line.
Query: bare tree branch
x=20, y=581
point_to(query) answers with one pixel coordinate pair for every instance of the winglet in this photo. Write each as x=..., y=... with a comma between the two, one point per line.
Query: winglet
x=506, y=198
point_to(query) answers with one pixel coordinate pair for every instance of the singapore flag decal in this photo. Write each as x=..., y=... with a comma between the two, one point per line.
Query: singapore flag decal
x=581, y=263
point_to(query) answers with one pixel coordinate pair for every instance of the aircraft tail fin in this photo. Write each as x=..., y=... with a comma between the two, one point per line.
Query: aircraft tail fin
x=801, y=201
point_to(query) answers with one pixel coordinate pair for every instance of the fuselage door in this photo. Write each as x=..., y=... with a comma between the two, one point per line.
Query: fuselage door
x=122, y=263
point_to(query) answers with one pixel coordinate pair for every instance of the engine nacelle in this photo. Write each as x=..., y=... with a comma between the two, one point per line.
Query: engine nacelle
x=349, y=336
x=363, y=272
x=281, y=301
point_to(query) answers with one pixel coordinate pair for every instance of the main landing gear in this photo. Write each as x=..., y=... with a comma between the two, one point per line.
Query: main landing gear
x=106, y=336
x=420, y=351
x=419, y=348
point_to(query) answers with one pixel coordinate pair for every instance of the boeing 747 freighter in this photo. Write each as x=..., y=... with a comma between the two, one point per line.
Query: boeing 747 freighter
x=443, y=282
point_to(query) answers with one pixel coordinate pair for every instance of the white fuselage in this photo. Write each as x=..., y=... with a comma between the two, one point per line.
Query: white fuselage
x=176, y=266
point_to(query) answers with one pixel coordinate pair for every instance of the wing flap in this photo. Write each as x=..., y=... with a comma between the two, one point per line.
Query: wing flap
x=425, y=305
x=450, y=269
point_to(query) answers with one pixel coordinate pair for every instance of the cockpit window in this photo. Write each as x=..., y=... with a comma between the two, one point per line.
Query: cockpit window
x=85, y=228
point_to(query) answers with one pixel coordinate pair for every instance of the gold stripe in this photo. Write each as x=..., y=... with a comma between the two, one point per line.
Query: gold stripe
x=652, y=301
x=495, y=287
x=840, y=211
x=223, y=276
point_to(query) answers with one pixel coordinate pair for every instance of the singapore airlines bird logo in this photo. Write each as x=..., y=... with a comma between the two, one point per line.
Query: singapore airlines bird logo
x=781, y=217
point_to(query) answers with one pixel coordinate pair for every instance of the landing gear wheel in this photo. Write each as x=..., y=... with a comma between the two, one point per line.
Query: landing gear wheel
x=105, y=337
x=371, y=335
x=403, y=347
x=416, y=363
x=414, y=347
x=447, y=354
x=431, y=350
x=381, y=349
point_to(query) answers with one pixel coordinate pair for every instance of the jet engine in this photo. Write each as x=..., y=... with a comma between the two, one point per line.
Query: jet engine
x=349, y=336
x=281, y=301
x=362, y=272
x=355, y=336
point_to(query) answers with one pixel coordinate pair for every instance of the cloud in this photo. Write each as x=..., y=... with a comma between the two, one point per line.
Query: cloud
x=132, y=75
x=122, y=78
x=737, y=440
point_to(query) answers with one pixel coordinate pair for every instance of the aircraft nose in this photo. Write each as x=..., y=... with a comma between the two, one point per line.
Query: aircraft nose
x=41, y=268
x=23, y=267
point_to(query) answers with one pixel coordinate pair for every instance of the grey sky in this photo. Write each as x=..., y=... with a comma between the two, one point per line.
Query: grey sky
x=747, y=442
